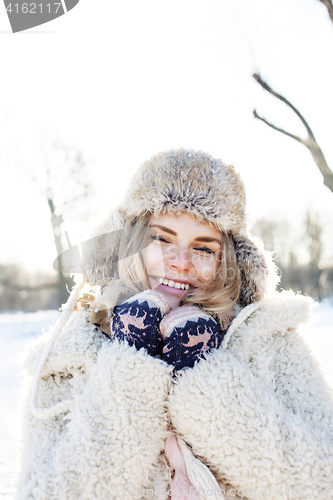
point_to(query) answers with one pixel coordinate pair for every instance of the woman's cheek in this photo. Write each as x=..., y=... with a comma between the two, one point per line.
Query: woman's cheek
x=206, y=269
x=208, y=274
x=153, y=258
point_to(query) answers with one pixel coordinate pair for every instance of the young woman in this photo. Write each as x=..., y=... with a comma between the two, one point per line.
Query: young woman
x=184, y=375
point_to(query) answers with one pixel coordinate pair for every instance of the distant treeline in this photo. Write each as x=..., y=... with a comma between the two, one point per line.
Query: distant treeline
x=314, y=282
x=304, y=260
x=21, y=290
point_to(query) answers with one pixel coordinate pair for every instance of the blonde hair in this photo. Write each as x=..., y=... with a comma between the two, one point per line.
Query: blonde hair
x=217, y=297
x=131, y=267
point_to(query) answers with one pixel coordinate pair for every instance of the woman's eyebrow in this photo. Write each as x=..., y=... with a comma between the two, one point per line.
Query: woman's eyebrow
x=206, y=239
x=165, y=229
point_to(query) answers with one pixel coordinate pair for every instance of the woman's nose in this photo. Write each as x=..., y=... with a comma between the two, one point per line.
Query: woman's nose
x=180, y=259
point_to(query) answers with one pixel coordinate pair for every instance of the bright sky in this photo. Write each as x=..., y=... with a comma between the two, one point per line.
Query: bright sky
x=123, y=80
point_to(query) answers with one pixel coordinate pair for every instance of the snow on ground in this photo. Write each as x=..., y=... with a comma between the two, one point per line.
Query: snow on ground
x=17, y=329
x=319, y=336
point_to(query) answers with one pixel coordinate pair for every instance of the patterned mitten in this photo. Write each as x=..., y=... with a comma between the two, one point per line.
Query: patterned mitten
x=188, y=332
x=137, y=321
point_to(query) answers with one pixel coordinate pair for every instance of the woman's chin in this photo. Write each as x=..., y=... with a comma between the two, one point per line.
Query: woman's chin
x=173, y=295
x=173, y=300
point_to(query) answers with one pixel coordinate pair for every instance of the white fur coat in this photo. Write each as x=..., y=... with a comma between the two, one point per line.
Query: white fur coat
x=257, y=413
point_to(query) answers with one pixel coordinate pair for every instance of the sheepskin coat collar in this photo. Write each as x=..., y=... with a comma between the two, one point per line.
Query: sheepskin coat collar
x=256, y=415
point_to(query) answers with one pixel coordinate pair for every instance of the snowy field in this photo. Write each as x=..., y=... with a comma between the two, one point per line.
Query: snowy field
x=17, y=329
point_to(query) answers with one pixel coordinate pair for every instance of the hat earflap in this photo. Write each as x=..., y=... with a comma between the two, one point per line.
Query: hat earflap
x=258, y=272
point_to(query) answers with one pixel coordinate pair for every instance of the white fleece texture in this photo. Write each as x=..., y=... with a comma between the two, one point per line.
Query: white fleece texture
x=260, y=414
x=113, y=434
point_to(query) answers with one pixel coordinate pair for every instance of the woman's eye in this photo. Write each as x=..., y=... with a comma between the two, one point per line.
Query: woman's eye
x=205, y=250
x=158, y=238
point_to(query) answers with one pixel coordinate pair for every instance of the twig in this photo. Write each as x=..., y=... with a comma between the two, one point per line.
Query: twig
x=278, y=129
x=310, y=142
x=283, y=99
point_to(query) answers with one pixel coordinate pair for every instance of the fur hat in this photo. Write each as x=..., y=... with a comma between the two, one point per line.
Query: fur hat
x=190, y=181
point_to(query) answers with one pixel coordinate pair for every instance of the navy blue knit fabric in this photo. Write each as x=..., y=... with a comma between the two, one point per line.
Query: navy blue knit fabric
x=137, y=321
x=186, y=343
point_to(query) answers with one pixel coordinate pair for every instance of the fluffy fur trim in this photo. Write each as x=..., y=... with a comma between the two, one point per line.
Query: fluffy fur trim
x=189, y=181
x=258, y=272
x=179, y=181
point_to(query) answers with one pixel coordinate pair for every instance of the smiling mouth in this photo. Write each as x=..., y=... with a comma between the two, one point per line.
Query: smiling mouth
x=173, y=284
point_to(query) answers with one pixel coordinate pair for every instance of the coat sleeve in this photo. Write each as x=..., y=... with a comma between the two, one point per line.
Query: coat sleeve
x=107, y=445
x=241, y=426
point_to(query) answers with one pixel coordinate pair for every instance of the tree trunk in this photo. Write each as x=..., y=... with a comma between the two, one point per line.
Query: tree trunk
x=56, y=226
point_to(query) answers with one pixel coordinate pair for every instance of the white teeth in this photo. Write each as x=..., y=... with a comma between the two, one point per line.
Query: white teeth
x=174, y=284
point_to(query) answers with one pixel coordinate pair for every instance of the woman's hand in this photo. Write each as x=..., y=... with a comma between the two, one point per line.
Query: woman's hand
x=180, y=336
x=138, y=319
x=188, y=332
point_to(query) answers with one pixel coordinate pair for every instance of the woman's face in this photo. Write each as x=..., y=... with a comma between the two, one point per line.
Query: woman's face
x=181, y=253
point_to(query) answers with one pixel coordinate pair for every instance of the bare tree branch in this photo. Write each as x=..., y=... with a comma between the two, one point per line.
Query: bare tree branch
x=310, y=142
x=283, y=99
x=278, y=129
x=329, y=5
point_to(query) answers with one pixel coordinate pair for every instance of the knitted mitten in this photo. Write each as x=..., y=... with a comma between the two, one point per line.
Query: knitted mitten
x=137, y=321
x=188, y=332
